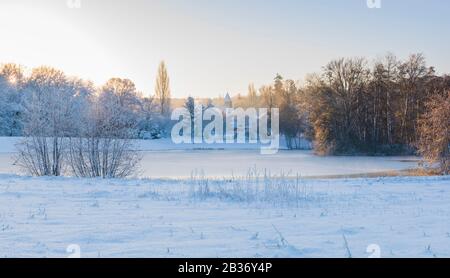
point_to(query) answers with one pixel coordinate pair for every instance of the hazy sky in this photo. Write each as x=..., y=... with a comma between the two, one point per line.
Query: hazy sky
x=213, y=46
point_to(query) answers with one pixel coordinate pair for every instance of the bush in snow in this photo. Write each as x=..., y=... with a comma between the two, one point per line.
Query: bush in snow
x=105, y=147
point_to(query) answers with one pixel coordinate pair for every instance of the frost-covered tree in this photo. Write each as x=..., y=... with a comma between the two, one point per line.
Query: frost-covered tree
x=123, y=104
x=148, y=127
x=11, y=100
x=49, y=118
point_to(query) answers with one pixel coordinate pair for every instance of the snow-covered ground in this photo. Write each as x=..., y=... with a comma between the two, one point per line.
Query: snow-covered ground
x=218, y=214
x=404, y=216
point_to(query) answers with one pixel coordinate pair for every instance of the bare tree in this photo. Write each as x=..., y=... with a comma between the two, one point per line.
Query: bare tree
x=162, y=89
x=346, y=80
x=411, y=76
x=382, y=90
x=252, y=96
x=292, y=120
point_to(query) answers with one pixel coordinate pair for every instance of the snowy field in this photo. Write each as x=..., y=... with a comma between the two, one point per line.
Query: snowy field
x=238, y=204
x=163, y=159
x=404, y=216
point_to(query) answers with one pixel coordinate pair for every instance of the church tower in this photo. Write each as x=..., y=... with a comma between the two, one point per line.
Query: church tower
x=227, y=101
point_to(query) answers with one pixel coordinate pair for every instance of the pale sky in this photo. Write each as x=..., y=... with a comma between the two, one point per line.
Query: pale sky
x=215, y=46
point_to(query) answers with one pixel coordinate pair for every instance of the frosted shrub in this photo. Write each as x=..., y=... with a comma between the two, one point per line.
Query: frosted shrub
x=102, y=157
x=41, y=156
x=105, y=148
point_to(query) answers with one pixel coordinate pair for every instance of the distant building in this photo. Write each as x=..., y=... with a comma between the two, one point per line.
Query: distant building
x=228, y=103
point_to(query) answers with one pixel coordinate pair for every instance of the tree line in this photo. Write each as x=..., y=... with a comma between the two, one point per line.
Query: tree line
x=353, y=106
x=21, y=95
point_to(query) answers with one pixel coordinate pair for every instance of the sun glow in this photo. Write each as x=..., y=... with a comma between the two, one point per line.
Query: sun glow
x=45, y=37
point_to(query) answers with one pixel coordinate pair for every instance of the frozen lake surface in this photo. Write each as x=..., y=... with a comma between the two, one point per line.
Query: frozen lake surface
x=162, y=159
x=239, y=162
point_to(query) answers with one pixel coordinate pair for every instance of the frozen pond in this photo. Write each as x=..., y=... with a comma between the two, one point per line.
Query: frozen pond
x=237, y=162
